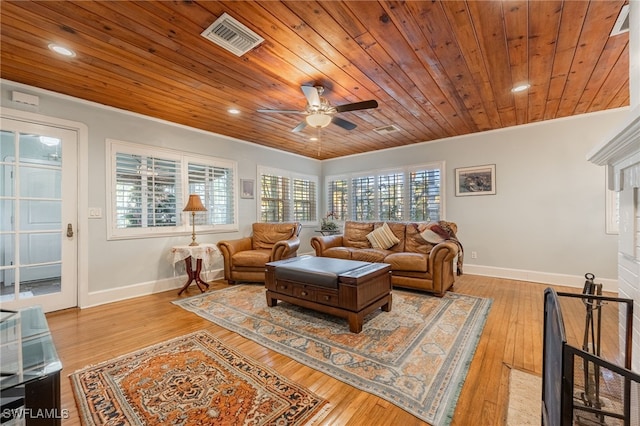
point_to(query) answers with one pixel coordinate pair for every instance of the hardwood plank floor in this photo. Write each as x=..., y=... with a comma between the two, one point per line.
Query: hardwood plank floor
x=512, y=336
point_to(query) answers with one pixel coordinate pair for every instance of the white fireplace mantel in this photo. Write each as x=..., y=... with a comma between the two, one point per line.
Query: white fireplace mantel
x=621, y=154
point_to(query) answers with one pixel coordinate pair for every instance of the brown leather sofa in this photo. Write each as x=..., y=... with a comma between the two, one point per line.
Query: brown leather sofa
x=245, y=258
x=415, y=263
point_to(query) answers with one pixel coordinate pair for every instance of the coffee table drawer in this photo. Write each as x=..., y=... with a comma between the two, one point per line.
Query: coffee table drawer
x=327, y=297
x=304, y=292
x=283, y=287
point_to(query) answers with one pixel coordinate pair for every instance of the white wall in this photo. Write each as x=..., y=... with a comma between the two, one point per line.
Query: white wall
x=547, y=221
x=126, y=268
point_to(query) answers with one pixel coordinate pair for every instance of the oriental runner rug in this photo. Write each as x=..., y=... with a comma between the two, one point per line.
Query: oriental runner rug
x=416, y=356
x=191, y=380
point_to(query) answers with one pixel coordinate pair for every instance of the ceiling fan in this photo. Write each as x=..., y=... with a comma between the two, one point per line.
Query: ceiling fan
x=320, y=113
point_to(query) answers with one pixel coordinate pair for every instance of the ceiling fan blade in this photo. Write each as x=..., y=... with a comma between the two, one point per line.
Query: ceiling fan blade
x=299, y=127
x=311, y=93
x=347, y=125
x=357, y=105
x=284, y=111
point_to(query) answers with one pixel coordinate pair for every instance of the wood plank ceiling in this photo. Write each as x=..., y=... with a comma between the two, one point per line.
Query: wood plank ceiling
x=437, y=68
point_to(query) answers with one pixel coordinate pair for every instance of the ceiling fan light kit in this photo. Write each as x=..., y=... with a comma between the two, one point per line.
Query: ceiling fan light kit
x=320, y=113
x=318, y=119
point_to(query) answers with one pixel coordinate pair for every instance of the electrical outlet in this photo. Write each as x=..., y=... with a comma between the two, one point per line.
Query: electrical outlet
x=474, y=254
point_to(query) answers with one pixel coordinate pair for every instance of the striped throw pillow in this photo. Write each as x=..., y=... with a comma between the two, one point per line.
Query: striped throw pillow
x=382, y=238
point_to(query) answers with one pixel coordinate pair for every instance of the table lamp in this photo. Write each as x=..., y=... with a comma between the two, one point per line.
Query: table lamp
x=194, y=205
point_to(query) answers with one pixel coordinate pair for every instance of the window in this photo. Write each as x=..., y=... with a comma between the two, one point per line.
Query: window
x=150, y=186
x=337, y=196
x=411, y=193
x=214, y=184
x=286, y=196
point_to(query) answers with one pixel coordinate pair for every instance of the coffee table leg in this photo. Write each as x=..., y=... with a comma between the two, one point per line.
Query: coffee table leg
x=387, y=306
x=356, y=320
x=271, y=301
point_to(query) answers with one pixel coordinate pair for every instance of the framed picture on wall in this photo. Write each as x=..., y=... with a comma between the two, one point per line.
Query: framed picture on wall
x=247, y=188
x=478, y=180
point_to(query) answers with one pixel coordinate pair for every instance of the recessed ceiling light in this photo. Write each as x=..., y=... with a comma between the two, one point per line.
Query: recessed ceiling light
x=233, y=111
x=61, y=50
x=520, y=88
x=313, y=139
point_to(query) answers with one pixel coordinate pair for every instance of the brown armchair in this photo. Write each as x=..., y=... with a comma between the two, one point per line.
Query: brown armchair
x=245, y=258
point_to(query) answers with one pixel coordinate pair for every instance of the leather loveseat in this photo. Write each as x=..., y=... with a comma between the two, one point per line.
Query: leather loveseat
x=415, y=262
x=245, y=258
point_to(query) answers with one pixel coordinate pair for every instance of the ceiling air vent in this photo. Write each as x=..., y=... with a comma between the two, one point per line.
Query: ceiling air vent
x=622, y=23
x=232, y=35
x=385, y=130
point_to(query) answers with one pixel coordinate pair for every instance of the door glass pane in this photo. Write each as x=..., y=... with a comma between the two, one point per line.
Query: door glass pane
x=7, y=146
x=36, y=228
x=40, y=182
x=7, y=172
x=40, y=280
x=7, y=235
x=6, y=218
x=36, y=148
x=39, y=248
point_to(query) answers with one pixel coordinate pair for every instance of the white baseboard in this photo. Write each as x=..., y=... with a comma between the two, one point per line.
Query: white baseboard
x=576, y=281
x=144, y=289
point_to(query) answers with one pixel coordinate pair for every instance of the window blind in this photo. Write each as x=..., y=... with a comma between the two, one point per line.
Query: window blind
x=147, y=190
x=411, y=193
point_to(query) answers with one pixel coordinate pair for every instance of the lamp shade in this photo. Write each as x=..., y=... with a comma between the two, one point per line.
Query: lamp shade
x=318, y=120
x=194, y=204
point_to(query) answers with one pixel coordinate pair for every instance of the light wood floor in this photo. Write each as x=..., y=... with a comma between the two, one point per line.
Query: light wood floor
x=512, y=337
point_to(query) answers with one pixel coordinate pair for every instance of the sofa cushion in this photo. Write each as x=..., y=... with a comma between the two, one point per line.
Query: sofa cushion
x=382, y=237
x=355, y=234
x=265, y=235
x=414, y=243
x=251, y=258
x=407, y=261
x=338, y=252
x=370, y=255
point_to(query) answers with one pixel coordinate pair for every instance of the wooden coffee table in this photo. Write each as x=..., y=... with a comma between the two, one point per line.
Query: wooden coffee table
x=345, y=288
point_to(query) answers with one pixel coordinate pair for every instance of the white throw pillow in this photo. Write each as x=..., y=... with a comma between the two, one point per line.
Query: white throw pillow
x=382, y=238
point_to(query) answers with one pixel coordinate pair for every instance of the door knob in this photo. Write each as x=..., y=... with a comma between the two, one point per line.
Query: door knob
x=69, y=230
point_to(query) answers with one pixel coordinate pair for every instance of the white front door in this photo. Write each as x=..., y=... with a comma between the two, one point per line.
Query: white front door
x=38, y=216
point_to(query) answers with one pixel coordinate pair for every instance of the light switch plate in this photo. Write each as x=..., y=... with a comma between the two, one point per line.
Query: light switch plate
x=95, y=213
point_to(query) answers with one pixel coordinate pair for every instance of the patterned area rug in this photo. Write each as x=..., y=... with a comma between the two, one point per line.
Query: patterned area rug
x=190, y=380
x=415, y=356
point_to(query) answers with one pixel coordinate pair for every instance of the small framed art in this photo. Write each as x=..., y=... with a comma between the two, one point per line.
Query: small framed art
x=247, y=188
x=478, y=180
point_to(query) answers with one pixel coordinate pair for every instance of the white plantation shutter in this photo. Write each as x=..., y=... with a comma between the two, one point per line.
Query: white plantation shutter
x=412, y=193
x=424, y=195
x=363, y=198
x=214, y=183
x=304, y=200
x=391, y=196
x=147, y=191
x=338, y=198
x=286, y=196
x=275, y=199
x=149, y=187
